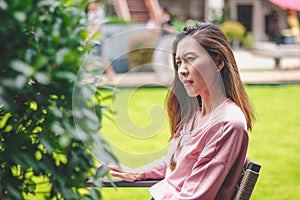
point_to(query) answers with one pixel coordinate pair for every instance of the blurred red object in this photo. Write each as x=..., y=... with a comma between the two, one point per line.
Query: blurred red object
x=289, y=4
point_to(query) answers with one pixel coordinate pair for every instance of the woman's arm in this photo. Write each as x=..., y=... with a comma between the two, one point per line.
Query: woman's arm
x=154, y=170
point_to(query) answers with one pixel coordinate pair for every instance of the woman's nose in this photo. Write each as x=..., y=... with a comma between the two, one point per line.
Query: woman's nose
x=183, y=71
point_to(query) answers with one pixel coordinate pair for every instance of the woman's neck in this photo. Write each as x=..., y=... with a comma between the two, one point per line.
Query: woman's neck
x=208, y=107
x=209, y=103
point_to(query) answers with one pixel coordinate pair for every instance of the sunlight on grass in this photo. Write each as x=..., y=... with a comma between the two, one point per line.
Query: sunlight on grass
x=129, y=193
x=139, y=131
x=275, y=142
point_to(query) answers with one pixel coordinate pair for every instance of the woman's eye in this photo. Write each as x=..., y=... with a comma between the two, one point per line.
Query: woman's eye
x=178, y=63
x=190, y=58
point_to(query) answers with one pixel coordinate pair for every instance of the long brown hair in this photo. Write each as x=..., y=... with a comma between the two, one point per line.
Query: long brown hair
x=180, y=106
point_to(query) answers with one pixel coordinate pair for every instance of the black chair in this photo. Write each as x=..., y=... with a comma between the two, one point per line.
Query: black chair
x=247, y=181
x=243, y=190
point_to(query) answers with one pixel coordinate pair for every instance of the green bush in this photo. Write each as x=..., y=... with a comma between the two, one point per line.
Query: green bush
x=233, y=30
x=247, y=41
x=40, y=56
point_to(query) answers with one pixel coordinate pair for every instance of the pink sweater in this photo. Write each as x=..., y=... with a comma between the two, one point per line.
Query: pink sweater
x=210, y=162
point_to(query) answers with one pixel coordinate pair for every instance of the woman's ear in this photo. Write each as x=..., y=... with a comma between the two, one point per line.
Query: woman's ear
x=219, y=62
x=220, y=65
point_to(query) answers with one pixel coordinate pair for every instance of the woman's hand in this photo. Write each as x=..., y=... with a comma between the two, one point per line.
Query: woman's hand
x=126, y=176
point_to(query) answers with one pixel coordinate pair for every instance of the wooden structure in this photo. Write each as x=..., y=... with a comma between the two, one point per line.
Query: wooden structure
x=139, y=11
x=278, y=53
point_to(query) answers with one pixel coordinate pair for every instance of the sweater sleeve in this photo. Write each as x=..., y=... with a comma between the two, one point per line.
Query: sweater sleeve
x=157, y=169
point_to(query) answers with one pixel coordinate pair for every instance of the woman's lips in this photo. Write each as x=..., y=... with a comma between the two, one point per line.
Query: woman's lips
x=187, y=82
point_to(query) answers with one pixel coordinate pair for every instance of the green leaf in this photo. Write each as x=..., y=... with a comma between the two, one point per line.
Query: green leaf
x=64, y=75
x=60, y=55
x=20, y=81
x=57, y=128
x=95, y=194
x=41, y=61
x=4, y=119
x=3, y=5
x=101, y=171
x=22, y=67
x=38, y=155
x=13, y=191
x=30, y=186
x=42, y=78
x=20, y=16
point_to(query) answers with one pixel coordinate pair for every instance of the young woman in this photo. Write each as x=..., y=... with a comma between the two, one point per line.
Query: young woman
x=210, y=115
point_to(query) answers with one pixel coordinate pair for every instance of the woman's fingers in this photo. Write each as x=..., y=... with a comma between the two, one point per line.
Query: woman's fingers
x=129, y=176
x=124, y=175
x=115, y=168
x=116, y=174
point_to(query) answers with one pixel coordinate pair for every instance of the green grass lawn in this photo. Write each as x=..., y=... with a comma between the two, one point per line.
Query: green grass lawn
x=274, y=142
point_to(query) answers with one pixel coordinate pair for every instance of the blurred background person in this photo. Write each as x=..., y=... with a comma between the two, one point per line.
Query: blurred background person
x=162, y=56
x=96, y=19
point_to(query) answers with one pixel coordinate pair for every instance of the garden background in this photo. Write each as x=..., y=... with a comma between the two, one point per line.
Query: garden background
x=42, y=156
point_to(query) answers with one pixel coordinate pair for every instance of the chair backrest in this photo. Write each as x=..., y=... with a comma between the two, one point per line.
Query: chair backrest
x=247, y=181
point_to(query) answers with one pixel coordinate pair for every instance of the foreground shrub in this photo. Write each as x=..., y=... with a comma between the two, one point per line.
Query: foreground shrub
x=39, y=144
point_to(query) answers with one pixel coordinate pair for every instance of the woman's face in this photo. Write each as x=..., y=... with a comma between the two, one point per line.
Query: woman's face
x=196, y=69
x=93, y=5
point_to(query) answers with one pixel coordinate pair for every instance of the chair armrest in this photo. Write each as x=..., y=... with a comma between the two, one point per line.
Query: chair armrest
x=122, y=183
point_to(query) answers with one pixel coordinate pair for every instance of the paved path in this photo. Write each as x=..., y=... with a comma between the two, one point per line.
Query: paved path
x=248, y=61
x=253, y=70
